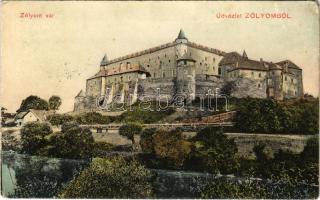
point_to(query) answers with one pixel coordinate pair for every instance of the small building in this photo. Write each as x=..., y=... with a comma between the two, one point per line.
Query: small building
x=32, y=115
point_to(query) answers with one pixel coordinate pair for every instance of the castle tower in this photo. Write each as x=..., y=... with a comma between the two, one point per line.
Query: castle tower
x=186, y=77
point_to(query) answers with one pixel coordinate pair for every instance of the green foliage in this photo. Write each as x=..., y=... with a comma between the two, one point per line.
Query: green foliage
x=214, y=152
x=72, y=142
x=172, y=146
x=9, y=141
x=54, y=102
x=129, y=130
x=33, y=136
x=222, y=188
x=146, y=140
x=110, y=178
x=58, y=119
x=270, y=116
x=92, y=118
x=33, y=102
x=100, y=148
x=144, y=116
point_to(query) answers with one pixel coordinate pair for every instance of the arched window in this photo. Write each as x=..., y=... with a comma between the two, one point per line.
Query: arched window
x=259, y=85
x=259, y=75
x=219, y=71
x=163, y=74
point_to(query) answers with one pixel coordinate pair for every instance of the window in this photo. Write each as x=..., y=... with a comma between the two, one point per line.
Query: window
x=173, y=72
x=200, y=64
x=259, y=75
x=190, y=54
x=214, y=59
x=219, y=71
x=129, y=78
x=285, y=78
x=205, y=58
x=169, y=61
x=154, y=74
x=213, y=68
x=272, y=73
x=128, y=65
x=163, y=74
x=165, y=55
x=291, y=80
x=252, y=74
x=259, y=85
x=148, y=65
x=120, y=64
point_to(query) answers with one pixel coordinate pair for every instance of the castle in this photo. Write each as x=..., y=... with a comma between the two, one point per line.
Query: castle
x=185, y=68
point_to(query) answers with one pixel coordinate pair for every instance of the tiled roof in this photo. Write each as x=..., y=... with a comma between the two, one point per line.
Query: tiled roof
x=230, y=58
x=117, y=70
x=289, y=64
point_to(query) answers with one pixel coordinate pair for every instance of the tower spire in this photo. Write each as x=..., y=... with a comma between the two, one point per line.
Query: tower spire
x=181, y=36
x=104, y=60
x=244, y=55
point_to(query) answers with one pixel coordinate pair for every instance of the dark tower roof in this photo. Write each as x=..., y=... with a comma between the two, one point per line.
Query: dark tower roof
x=104, y=60
x=182, y=35
x=244, y=55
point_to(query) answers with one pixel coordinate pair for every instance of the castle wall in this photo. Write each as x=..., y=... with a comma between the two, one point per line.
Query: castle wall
x=158, y=63
x=206, y=62
x=93, y=86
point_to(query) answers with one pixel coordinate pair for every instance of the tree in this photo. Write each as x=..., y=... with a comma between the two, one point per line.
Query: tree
x=33, y=102
x=172, y=146
x=213, y=152
x=72, y=142
x=92, y=118
x=129, y=130
x=146, y=141
x=33, y=136
x=54, y=102
x=110, y=178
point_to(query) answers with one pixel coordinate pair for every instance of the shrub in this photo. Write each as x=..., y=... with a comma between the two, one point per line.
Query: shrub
x=33, y=136
x=72, y=142
x=92, y=118
x=172, y=146
x=58, y=119
x=110, y=178
x=213, y=152
x=146, y=142
x=222, y=188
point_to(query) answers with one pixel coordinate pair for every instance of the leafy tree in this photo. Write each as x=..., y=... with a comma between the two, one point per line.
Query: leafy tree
x=214, y=152
x=129, y=130
x=72, y=142
x=54, y=102
x=110, y=178
x=172, y=146
x=146, y=140
x=33, y=136
x=33, y=102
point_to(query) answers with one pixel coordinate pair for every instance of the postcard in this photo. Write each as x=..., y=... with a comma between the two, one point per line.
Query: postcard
x=159, y=99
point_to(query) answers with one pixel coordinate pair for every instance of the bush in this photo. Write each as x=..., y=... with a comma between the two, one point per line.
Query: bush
x=213, y=152
x=100, y=148
x=33, y=136
x=110, y=178
x=144, y=116
x=58, y=119
x=270, y=116
x=172, y=146
x=92, y=118
x=222, y=188
x=146, y=142
x=72, y=142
